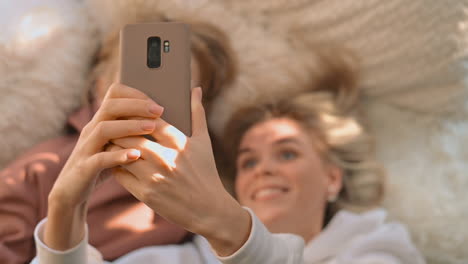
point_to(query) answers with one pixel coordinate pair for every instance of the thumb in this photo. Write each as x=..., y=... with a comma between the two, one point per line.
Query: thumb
x=198, y=113
x=111, y=158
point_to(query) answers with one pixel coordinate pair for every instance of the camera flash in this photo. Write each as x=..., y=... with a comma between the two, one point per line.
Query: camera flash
x=166, y=46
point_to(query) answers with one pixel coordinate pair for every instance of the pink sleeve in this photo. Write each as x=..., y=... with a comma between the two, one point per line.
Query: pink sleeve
x=18, y=215
x=24, y=188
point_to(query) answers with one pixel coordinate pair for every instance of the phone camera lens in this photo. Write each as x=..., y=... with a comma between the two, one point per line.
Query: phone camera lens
x=154, y=52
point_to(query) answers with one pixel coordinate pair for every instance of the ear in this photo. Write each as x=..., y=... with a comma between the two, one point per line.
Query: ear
x=335, y=182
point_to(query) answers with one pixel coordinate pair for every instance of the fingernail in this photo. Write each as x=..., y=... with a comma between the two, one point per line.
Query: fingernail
x=148, y=125
x=133, y=154
x=156, y=109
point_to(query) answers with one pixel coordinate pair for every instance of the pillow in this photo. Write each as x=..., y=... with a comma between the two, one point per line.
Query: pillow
x=45, y=52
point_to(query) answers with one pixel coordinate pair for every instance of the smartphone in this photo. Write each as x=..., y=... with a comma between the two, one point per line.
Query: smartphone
x=155, y=59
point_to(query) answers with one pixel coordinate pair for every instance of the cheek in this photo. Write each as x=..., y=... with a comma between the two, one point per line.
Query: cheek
x=309, y=180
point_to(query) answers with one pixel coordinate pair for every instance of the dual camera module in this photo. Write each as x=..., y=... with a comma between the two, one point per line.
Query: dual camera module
x=153, y=55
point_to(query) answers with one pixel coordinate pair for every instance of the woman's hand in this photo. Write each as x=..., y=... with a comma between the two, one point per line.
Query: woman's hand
x=69, y=195
x=177, y=177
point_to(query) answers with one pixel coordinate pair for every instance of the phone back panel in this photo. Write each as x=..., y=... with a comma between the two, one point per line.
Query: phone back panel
x=168, y=85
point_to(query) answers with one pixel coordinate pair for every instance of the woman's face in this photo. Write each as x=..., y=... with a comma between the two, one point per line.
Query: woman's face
x=282, y=177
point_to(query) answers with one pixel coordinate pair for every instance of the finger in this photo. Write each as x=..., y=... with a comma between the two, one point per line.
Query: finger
x=127, y=180
x=133, y=118
x=112, y=147
x=199, y=126
x=168, y=135
x=107, y=173
x=119, y=90
x=117, y=108
x=105, y=160
x=131, y=142
x=108, y=130
x=163, y=157
x=145, y=171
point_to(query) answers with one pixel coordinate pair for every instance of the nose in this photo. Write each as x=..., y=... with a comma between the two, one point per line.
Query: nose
x=265, y=167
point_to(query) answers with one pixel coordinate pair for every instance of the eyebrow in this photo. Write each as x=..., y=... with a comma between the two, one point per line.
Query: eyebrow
x=288, y=140
x=278, y=142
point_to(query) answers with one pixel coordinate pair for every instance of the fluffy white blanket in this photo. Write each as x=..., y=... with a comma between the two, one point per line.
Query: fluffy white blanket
x=45, y=50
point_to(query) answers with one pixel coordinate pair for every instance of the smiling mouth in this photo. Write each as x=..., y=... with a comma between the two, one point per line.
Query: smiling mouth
x=269, y=193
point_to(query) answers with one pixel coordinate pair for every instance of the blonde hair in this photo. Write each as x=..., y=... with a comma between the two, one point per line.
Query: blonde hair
x=210, y=47
x=328, y=107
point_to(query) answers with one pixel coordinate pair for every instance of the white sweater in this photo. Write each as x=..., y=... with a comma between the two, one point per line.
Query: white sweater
x=349, y=238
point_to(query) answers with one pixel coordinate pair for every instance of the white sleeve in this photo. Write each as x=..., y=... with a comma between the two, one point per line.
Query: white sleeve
x=80, y=254
x=263, y=247
x=388, y=244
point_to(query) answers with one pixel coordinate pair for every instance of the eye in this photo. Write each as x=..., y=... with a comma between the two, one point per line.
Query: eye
x=248, y=163
x=288, y=155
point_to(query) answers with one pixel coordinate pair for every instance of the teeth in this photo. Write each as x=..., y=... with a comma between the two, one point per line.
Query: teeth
x=268, y=191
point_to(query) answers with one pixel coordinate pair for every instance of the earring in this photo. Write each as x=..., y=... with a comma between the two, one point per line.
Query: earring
x=332, y=198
